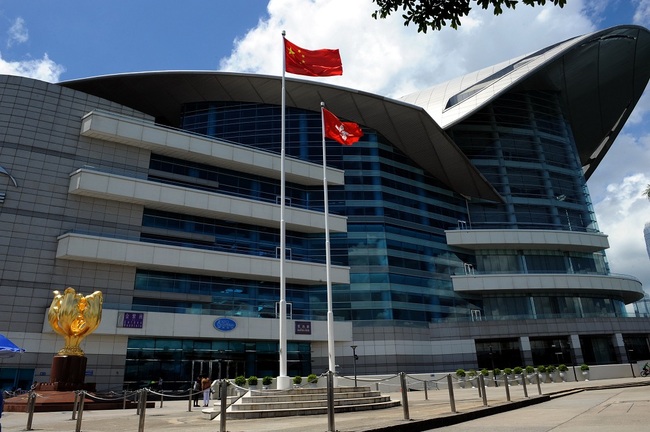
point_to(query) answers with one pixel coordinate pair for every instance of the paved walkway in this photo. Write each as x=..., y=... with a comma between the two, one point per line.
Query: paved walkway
x=616, y=396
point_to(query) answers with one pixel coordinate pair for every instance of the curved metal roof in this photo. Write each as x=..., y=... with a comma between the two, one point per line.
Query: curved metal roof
x=601, y=77
x=409, y=128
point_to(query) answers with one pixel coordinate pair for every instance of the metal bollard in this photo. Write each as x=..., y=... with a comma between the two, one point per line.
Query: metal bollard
x=223, y=394
x=507, y=386
x=75, y=405
x=124, y=400
x=452, y=401
x=143, y=408
x=523, y=383
x=481, y=382
x=189, y=400
x=31, y=405
x=162, y=397
x=539, y=386
x=330, y=402
x=405, y=398
x=82, y=398
x=426, y=392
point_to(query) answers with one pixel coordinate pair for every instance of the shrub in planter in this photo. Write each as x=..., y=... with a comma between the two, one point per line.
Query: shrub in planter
x=485, y=372
x=496, y=372
x=471, y=376
x=563, y=369
x=252, y=380
x=460, y=373
x=541, y=370
x=507, y=371
x=312, y=378
x=551, y=372
x=585, y=371
x=267, y=380
x=297, y=380
x=530, y=373
x=240, y=381
x=518, y=372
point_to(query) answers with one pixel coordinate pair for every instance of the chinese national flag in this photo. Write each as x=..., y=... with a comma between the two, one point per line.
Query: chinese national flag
x=322, y=62
x=346, y=133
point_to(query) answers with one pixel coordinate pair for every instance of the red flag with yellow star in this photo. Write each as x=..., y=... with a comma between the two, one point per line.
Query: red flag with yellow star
x=322, y=62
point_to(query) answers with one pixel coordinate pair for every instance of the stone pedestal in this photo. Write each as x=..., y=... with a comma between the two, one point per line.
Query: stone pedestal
x=68, y=373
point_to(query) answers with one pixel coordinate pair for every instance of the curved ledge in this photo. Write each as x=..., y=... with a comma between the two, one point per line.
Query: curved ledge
x=528, y=239
x=628, y=288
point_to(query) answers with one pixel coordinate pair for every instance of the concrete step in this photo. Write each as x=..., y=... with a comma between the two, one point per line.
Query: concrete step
x=279, y=397
x=240, y=415
x=261, y=406
x=301, y=401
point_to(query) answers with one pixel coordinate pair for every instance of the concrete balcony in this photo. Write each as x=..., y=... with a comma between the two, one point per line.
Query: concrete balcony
x=628, y=288
x=198, y=148
x=528, y=239
x=161, y=196
x=133, y=253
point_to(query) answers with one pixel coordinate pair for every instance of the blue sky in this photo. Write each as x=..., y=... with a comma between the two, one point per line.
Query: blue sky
x=59, y=40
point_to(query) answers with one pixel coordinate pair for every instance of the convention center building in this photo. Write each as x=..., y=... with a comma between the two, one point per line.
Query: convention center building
x=462, y=234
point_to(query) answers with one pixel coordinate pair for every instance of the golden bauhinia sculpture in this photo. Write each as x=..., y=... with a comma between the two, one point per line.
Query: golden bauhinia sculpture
x=74, y=317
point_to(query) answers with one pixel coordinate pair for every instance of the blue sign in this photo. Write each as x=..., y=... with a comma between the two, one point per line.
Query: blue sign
x=133, y=320
x=303, y=327
x=224, y=324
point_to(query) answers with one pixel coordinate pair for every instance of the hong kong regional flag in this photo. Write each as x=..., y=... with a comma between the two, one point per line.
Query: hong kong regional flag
x=322, y=62
x=346, y=133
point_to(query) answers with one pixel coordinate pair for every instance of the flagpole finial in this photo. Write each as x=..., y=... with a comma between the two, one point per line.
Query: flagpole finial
x=284, y=33
x=322, y=104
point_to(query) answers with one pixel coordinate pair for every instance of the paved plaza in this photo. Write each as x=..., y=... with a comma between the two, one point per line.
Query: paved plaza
x=601, y=405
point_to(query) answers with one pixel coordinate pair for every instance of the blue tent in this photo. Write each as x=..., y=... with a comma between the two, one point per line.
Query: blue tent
x=8, y=348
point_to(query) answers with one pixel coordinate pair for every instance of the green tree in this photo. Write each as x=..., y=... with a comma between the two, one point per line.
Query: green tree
x=646, y=192
x=434, y=14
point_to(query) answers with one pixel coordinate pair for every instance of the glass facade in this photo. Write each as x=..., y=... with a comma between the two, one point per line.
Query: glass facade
x=400, y=265
x=178, y=360
x=522, y=144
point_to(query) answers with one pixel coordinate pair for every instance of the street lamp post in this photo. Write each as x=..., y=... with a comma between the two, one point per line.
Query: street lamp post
x=354, y=359
x=630, y=354
x=573, y=361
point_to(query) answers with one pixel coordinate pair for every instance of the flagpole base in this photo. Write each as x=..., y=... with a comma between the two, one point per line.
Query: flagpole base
x=283, y=382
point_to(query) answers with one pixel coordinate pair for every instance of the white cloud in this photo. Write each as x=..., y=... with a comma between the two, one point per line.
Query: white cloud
x=642, y=12
x=42, y=69
x=622, y=215
x=17, y=32
x=622, y=211
x=385, y=57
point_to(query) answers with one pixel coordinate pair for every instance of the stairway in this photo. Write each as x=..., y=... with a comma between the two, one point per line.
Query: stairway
x=302, y=401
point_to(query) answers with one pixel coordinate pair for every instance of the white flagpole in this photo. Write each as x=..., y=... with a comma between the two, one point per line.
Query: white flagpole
x=283, y=381
x=331, y=354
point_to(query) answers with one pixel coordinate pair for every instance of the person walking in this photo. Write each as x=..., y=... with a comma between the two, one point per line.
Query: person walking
x=205, y=386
